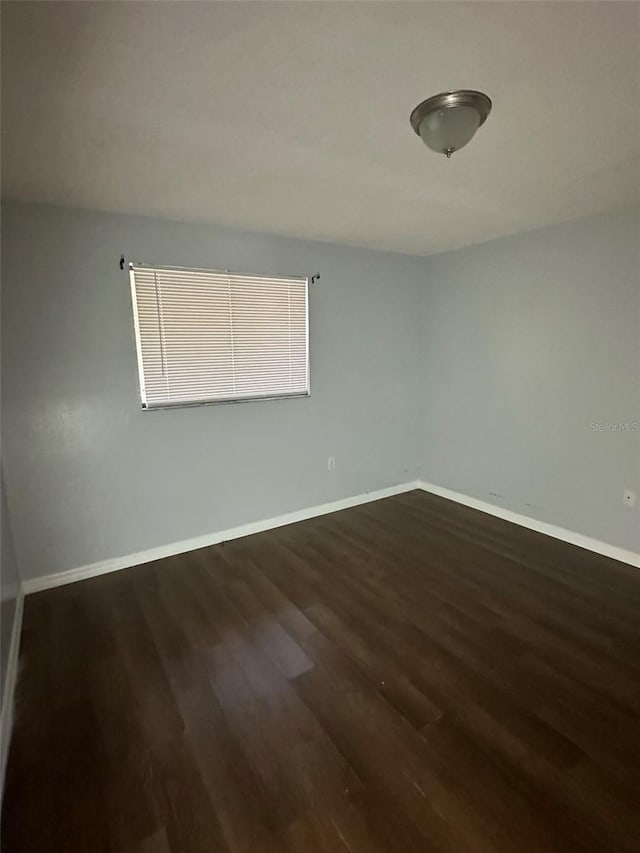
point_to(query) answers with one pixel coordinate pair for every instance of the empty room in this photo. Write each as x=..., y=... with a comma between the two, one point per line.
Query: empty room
x=320, y=335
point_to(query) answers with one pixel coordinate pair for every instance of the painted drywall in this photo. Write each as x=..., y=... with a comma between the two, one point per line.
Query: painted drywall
x=9, y=586
x=495, y=371
x=530, y=387
x=90, y=476
x=10, y=589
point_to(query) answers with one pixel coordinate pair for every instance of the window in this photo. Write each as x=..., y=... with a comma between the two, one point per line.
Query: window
x=205, y=336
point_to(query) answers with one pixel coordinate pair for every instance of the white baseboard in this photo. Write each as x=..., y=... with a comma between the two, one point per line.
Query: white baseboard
x=579, y=539
x=185, y=545
x=10, y=680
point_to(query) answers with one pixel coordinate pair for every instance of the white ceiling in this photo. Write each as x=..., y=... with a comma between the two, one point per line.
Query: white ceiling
x=293, y=118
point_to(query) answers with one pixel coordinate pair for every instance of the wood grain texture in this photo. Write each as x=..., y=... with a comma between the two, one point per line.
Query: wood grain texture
x=407, y=675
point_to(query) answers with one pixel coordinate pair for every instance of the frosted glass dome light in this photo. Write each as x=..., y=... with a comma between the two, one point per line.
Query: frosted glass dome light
x=448, y=121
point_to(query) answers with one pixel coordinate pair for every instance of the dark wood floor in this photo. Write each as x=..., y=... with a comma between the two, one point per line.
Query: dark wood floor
x=408, y=675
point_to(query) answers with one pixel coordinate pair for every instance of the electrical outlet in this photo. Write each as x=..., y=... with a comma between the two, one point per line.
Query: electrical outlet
x=629, y=498
x=331, y=463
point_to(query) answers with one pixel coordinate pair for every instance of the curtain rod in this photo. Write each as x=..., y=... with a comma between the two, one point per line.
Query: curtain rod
x=312, y=278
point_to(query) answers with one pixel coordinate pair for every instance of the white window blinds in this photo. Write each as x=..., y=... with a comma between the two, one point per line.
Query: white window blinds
x=207, y=336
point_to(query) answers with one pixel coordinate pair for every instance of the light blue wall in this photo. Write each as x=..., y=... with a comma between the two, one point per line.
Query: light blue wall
x=90, y=476
x=480, y=370
x=527, y=342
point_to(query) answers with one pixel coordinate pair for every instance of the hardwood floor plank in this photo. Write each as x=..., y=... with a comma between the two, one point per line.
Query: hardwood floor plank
x=182, y=798
x=236, y=795
x=405, y=676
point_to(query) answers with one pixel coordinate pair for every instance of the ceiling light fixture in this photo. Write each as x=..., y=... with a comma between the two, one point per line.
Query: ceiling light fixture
x=446, y=122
